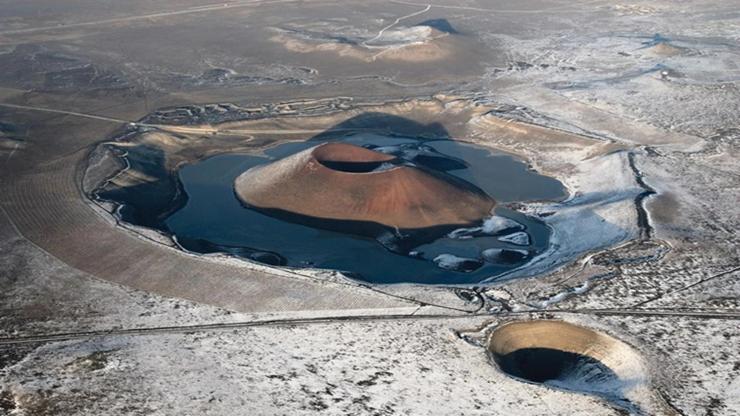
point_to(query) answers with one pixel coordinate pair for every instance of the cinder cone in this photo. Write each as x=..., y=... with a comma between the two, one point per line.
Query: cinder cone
x=309, y=183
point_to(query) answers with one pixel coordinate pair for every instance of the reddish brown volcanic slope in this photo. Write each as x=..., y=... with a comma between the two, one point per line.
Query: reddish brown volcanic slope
x=402, y=196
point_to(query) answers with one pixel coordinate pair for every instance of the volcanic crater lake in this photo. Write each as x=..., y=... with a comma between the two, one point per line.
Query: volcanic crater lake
x=214, y=220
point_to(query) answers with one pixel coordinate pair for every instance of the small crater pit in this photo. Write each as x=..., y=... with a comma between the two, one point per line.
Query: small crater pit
x=541, y=365
x=570, y=357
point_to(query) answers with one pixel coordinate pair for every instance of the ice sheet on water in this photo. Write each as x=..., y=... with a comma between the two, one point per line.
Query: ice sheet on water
x=503, y=255
x=491, y=226
x=416, y=154
x=390, y=149
x=458, y=264
x=464, y=233
x=406, y=151
x=389, y=240
x=519, y=238
x=497, y=224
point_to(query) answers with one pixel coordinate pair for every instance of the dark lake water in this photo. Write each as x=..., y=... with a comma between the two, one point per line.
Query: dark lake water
x=213, y=219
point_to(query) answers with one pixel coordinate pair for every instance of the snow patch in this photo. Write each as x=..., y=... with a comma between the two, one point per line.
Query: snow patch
x=502, y=255
x=458, y=264
x=491, y=226
x=519, y=238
